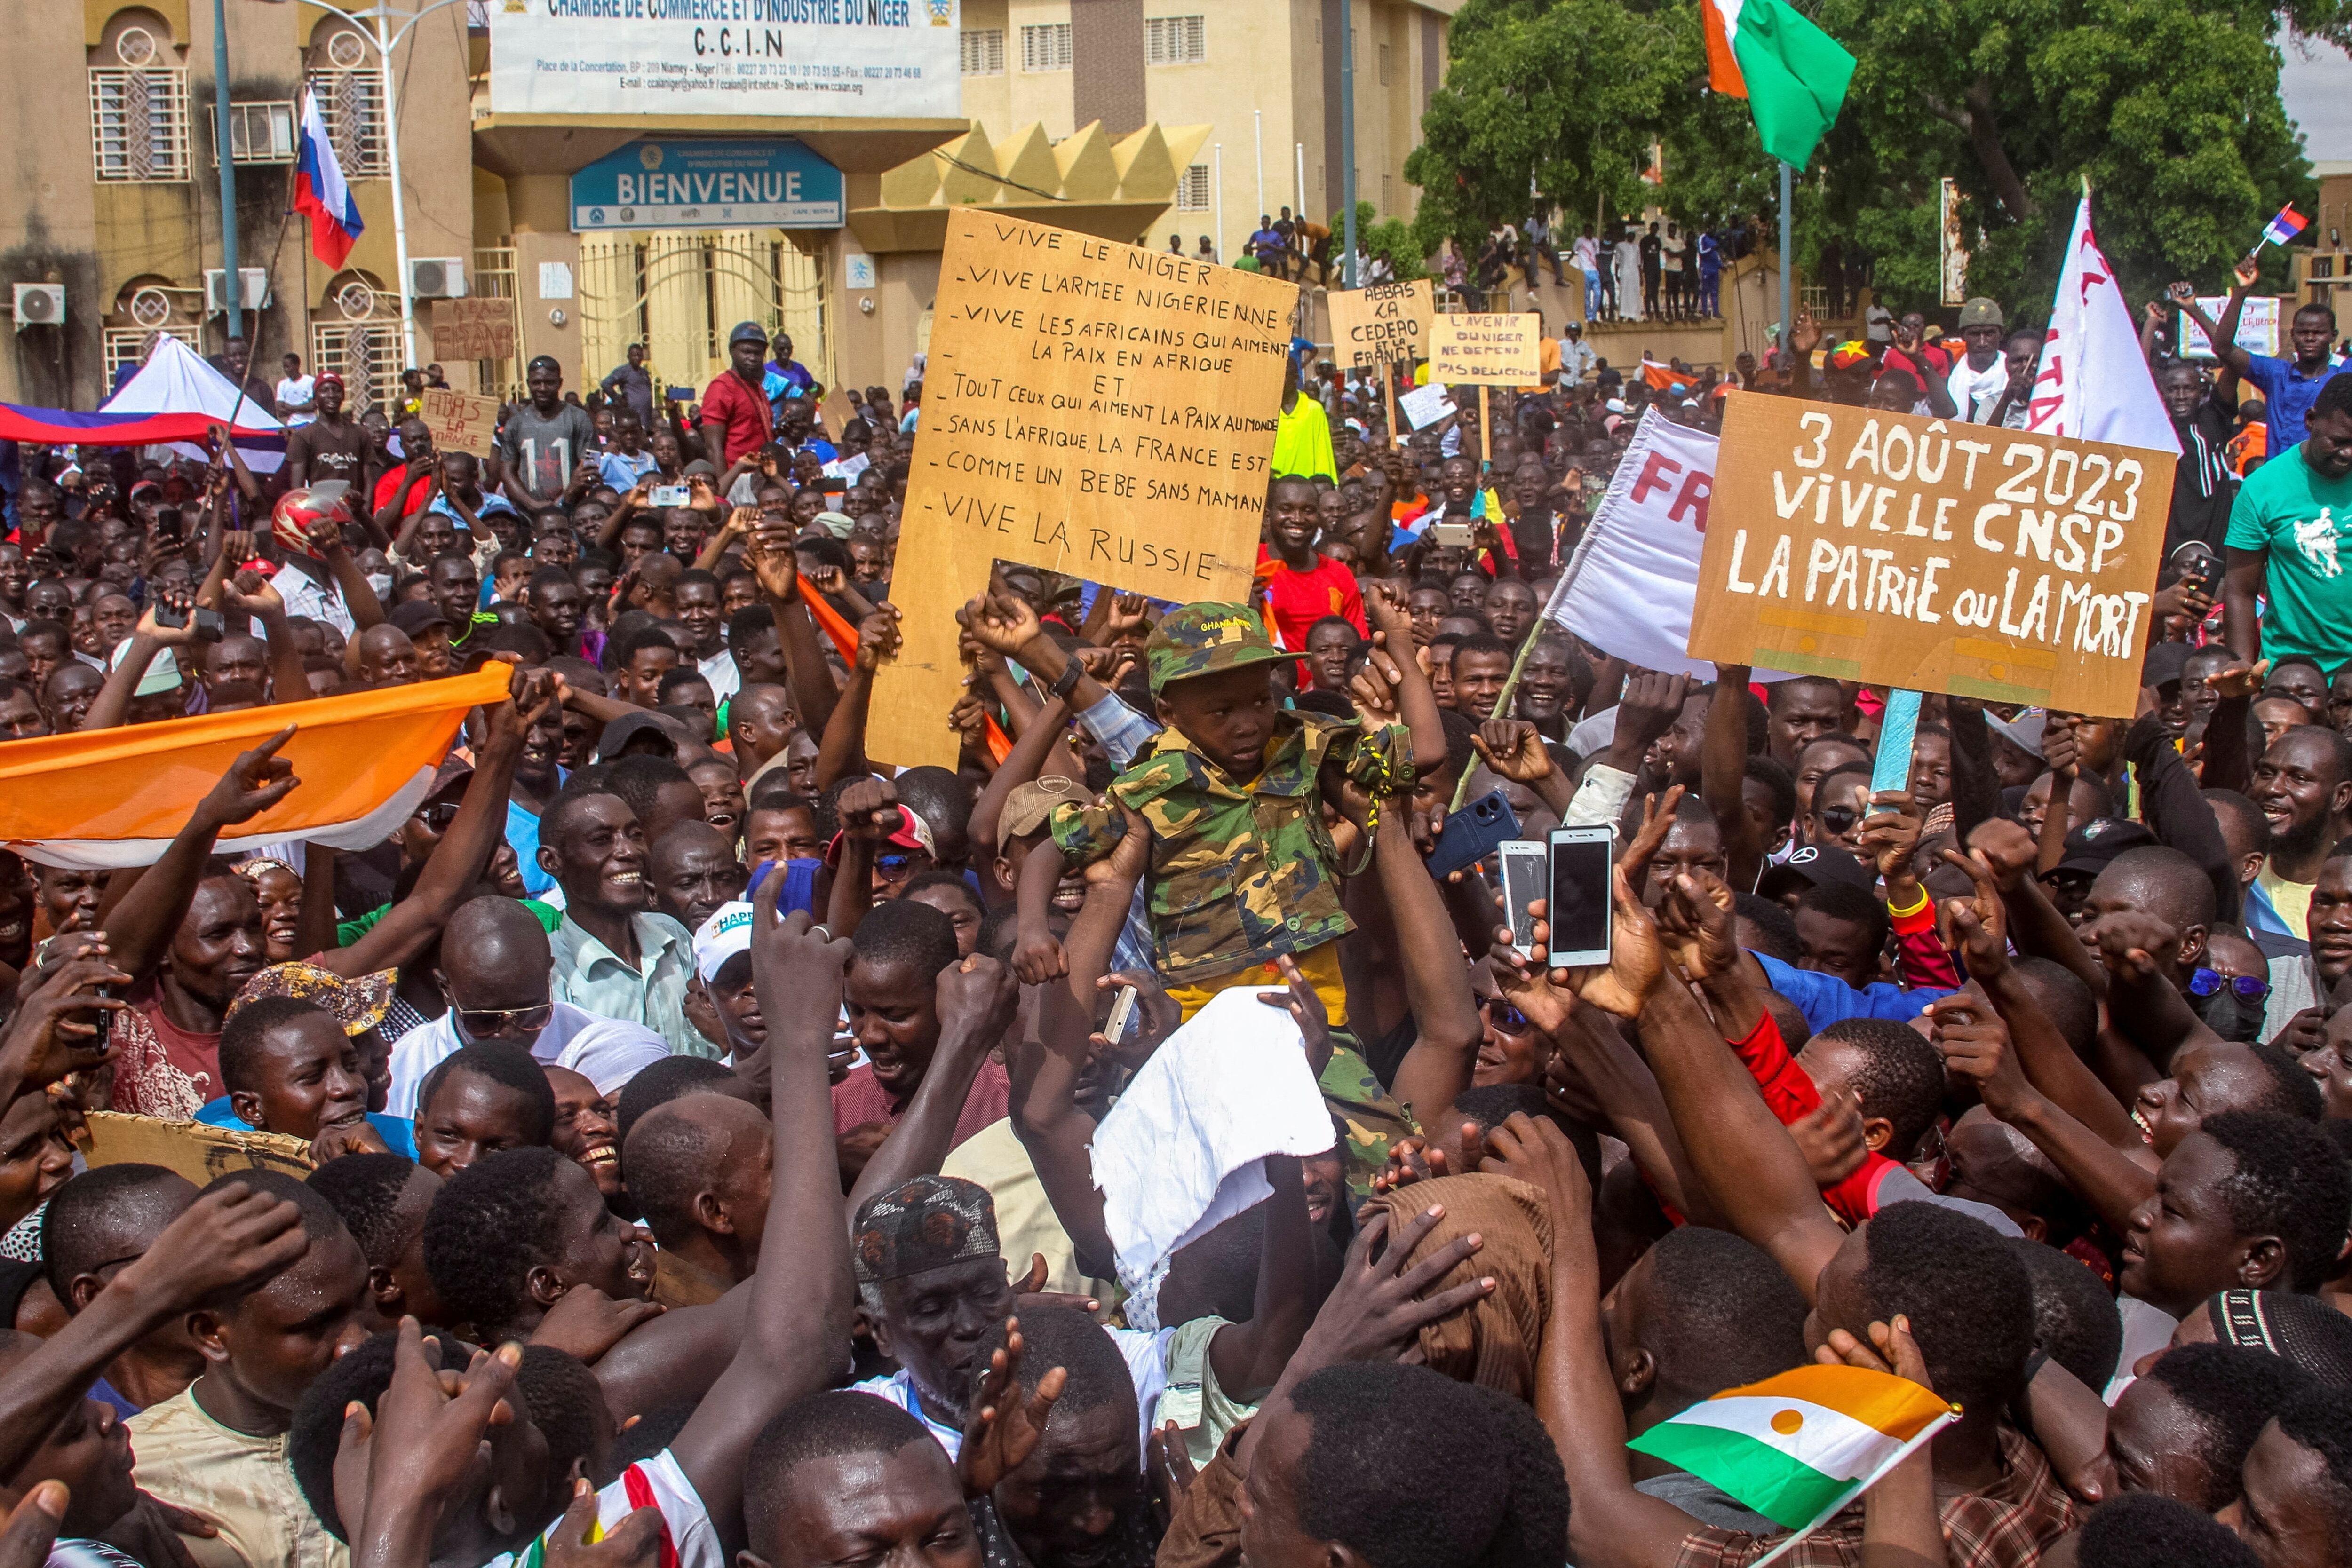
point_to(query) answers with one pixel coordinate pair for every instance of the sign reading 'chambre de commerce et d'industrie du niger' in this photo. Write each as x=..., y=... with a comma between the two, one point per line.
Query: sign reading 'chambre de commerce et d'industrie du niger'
x=872, y=59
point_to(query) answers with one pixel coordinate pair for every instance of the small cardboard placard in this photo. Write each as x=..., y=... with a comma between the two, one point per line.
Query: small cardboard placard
x=460, y=422
x=1492, y=350
x=194, y=1149
x=1383, y=324
x=481, y=328
x=1425, y=405
x=1931, y=555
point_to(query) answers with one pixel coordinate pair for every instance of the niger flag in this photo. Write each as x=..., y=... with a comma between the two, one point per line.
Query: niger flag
x=1790, y=72
x=112, y=798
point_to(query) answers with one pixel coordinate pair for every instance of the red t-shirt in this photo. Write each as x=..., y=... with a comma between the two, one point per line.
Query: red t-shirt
x=860, y=1098
x=743, y=409
x=387, y=484
x=1297, y=599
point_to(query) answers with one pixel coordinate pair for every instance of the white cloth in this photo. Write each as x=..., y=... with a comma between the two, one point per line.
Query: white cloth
x=608, y=1052
x=2093, y=383
x=1975, y=393
x=175, y=380
x=1146, y=1368
x=1629, y=588
x=2146, y=1328
x=1178, y=1153
x=1629, y=280
x=899, y=1388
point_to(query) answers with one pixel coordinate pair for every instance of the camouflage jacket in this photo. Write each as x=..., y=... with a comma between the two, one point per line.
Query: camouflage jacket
x=1241, y=873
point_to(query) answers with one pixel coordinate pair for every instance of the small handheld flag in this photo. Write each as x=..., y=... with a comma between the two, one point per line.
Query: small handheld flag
x=1799, y=1447
x=320, y=191
x=2284, y=227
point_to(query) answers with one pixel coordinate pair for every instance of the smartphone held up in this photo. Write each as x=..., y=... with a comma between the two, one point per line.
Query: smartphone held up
x=1570, y=872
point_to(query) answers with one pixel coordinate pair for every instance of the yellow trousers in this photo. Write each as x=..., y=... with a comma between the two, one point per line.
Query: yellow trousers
x=1320, y=965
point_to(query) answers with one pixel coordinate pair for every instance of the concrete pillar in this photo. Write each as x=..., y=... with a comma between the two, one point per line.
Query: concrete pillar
x=547, y=272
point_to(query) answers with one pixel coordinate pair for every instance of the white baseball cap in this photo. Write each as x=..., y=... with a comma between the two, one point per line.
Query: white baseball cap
x=727, y=933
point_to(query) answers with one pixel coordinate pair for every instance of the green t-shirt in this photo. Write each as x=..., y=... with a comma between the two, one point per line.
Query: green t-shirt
x=2299, y=519
x=350, y=931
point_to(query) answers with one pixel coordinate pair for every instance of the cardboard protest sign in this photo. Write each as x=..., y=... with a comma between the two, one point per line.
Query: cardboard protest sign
x=1938, y=557
x=477, y=328
x=1496, y=351
x=1092, y=408
x=193, y=1149
x=1383, y=324
x=460, y=422
x=480, y=328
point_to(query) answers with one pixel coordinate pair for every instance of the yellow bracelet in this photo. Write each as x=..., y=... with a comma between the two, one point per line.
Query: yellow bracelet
x=1900, y=913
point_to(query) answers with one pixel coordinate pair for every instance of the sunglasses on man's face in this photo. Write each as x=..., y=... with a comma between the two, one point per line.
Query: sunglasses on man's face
x=2204, y=982
x=1838, y=818
x=439, y=815
x=1509, y=1019
x=489, y=1023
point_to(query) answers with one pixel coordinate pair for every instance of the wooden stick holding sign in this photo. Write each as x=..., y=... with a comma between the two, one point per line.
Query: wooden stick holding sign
x=1092, y=408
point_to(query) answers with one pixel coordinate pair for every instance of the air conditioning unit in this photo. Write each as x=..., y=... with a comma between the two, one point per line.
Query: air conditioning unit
x=40, y=305
x=437, y=277
x=254, y=286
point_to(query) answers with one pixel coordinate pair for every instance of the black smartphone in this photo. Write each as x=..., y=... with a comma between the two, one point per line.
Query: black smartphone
x=1472, y=833
x=1527, y=876
x=1580, y=913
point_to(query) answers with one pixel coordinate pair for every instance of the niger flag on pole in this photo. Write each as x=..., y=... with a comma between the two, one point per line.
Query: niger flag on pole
x=1790, y=72
x=111, y=797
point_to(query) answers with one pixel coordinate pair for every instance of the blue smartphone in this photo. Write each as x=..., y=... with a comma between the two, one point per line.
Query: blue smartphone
x=1896, y=727
x=1473, y=833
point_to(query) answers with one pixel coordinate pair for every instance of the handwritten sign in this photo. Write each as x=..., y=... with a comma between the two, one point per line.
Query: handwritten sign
x=480, y=328
x=460, y=422
x=1092, y=408
x=1426, y=405
x=1382, y=325
x=1938, y=556
x=1499, y=351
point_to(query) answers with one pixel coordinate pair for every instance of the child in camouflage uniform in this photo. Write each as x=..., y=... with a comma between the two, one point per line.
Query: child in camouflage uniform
x=1242, y=867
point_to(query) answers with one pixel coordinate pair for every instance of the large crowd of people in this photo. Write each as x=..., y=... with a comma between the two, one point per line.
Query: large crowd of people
x=710, y=1127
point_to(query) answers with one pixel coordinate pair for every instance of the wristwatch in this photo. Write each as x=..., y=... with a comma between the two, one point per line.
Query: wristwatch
x=1072, y=673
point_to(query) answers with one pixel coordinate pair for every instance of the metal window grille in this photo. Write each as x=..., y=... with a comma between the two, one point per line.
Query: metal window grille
x=351, y=104
x=1046, y=48
x=983, y=51
x=1175, y=40
x=138, y=124
x=1193, y=190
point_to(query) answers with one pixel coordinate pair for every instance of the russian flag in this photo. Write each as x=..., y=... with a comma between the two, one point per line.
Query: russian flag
x=320, y=193
x=2285, y=226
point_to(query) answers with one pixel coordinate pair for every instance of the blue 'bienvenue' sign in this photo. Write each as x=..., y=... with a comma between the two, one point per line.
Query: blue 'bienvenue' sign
x=665, y=184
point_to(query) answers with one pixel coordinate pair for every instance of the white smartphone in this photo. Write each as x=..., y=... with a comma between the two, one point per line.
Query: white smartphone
x=671, y=495
x=1580, y=913
x=1122, y=1012
x=1527, y=876
x=1453, y=536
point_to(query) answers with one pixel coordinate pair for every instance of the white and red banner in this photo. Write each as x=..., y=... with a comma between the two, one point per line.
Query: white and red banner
x=2095, y=383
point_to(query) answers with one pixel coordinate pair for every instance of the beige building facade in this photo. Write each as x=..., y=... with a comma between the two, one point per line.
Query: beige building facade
x=1134, y=119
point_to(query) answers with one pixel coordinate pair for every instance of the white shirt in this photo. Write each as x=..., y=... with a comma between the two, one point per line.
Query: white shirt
x=1585, y=254
x=1975, y=393
x=720, y=670
x=304, y=596
x=899, y=1389
x=1576, y=358
x=662, y=1483
x=608, y=1052
x=295, y=392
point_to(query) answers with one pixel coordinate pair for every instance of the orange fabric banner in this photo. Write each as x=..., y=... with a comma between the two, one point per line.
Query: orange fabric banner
x=116, y=796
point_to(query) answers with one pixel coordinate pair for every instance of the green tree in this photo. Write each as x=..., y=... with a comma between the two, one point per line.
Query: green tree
x=1388, y=238
x=2168, y=107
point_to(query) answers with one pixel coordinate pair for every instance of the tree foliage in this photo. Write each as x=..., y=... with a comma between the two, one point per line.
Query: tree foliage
x=2169, y=107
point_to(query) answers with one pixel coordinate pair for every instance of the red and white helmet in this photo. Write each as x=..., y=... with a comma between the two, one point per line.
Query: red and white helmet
x=297, y=510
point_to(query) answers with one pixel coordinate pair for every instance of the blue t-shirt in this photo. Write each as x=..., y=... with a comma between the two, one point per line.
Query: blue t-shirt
x=398, y=1132
x=2290, y=394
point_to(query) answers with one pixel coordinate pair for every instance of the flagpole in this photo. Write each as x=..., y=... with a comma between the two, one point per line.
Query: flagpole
x=1788, y=320
x=232, y=289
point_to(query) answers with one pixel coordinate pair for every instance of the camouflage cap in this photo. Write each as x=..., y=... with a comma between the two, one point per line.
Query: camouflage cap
x=926, y=1222
x=1204, y=640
